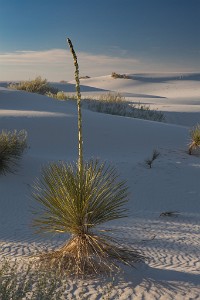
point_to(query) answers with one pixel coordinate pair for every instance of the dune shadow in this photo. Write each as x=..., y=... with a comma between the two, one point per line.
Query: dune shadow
x=163, y=275
x=182, y=118
x=162, y=79
x=71, y=88
x=142, y=95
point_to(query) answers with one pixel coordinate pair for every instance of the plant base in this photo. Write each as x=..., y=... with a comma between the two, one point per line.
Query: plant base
x=90, y=255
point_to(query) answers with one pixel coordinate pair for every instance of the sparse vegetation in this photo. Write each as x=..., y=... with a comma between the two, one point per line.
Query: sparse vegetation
x=37, y=85
x=117, y=75
x=24, y=281
x=12, y=146
x=195, y=138
x=59, y=95
x=116, y=104
x=150, y=161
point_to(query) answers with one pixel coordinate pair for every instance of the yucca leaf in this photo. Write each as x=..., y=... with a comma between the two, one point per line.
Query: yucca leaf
x=67, y=205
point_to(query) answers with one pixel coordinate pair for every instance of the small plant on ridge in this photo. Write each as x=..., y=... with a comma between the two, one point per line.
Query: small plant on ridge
x=154, y=156
x=195, y=138
x=37, y=85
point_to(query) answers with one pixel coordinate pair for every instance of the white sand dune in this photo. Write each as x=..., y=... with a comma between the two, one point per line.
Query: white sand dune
x=176, y=94
x=172, y=244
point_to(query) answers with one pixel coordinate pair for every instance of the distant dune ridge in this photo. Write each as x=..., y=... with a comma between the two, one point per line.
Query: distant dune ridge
x=171, y=241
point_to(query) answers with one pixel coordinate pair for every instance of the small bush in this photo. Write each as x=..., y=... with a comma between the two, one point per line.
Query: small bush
x=59, y=96
x=195, y=138
x=12, y=145
x=150, y=161
x=116, y=75
x=38, y=86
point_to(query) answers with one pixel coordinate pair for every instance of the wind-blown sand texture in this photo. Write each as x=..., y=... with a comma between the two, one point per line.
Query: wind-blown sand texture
x=171, y=243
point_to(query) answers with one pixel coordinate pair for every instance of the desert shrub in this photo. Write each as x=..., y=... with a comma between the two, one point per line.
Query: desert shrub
x=12, y=145
x=59, y=95
x=116, y=104
x=76, y=198
x=117, y=75
x=77, y=203
x=149, y=161
x=195, y=138
x=37, y=85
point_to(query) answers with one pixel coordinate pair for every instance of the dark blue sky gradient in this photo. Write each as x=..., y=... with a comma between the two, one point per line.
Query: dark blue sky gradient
x=167, y=30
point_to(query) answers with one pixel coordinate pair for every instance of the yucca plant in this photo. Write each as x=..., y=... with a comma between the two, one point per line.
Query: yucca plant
x=12, y=145
x=76, y=198
x=195, y=138
x=77, y=204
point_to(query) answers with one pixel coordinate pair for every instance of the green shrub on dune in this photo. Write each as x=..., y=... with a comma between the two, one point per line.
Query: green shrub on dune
x=37, y=85
x=195, y=138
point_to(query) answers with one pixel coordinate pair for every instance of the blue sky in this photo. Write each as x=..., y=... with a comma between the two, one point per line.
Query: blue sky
x=109, y=35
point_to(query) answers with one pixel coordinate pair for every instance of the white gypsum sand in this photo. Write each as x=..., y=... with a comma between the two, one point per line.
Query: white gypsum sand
x=171, y=243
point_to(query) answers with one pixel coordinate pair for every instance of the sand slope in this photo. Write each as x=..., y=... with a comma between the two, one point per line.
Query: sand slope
x=172, y=244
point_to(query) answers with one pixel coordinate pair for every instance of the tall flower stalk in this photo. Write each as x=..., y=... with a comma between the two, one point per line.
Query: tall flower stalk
x=80, y=136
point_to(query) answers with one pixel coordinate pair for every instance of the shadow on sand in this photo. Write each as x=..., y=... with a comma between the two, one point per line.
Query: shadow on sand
x=160, y=278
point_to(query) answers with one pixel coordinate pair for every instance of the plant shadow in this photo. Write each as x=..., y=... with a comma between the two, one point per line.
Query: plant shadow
x=160, y=278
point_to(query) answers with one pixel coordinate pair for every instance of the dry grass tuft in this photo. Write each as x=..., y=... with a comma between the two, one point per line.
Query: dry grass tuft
x=195, y=138
x=37, y=85
x=12, y=146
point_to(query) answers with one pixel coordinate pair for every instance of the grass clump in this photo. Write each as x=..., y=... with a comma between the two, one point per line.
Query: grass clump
x=37, y=85
x=195, y=138
x=117, y=75
x=27, y=280
x=24, y=281
x=12, y=146
x=116, y=104
x=59, y=95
